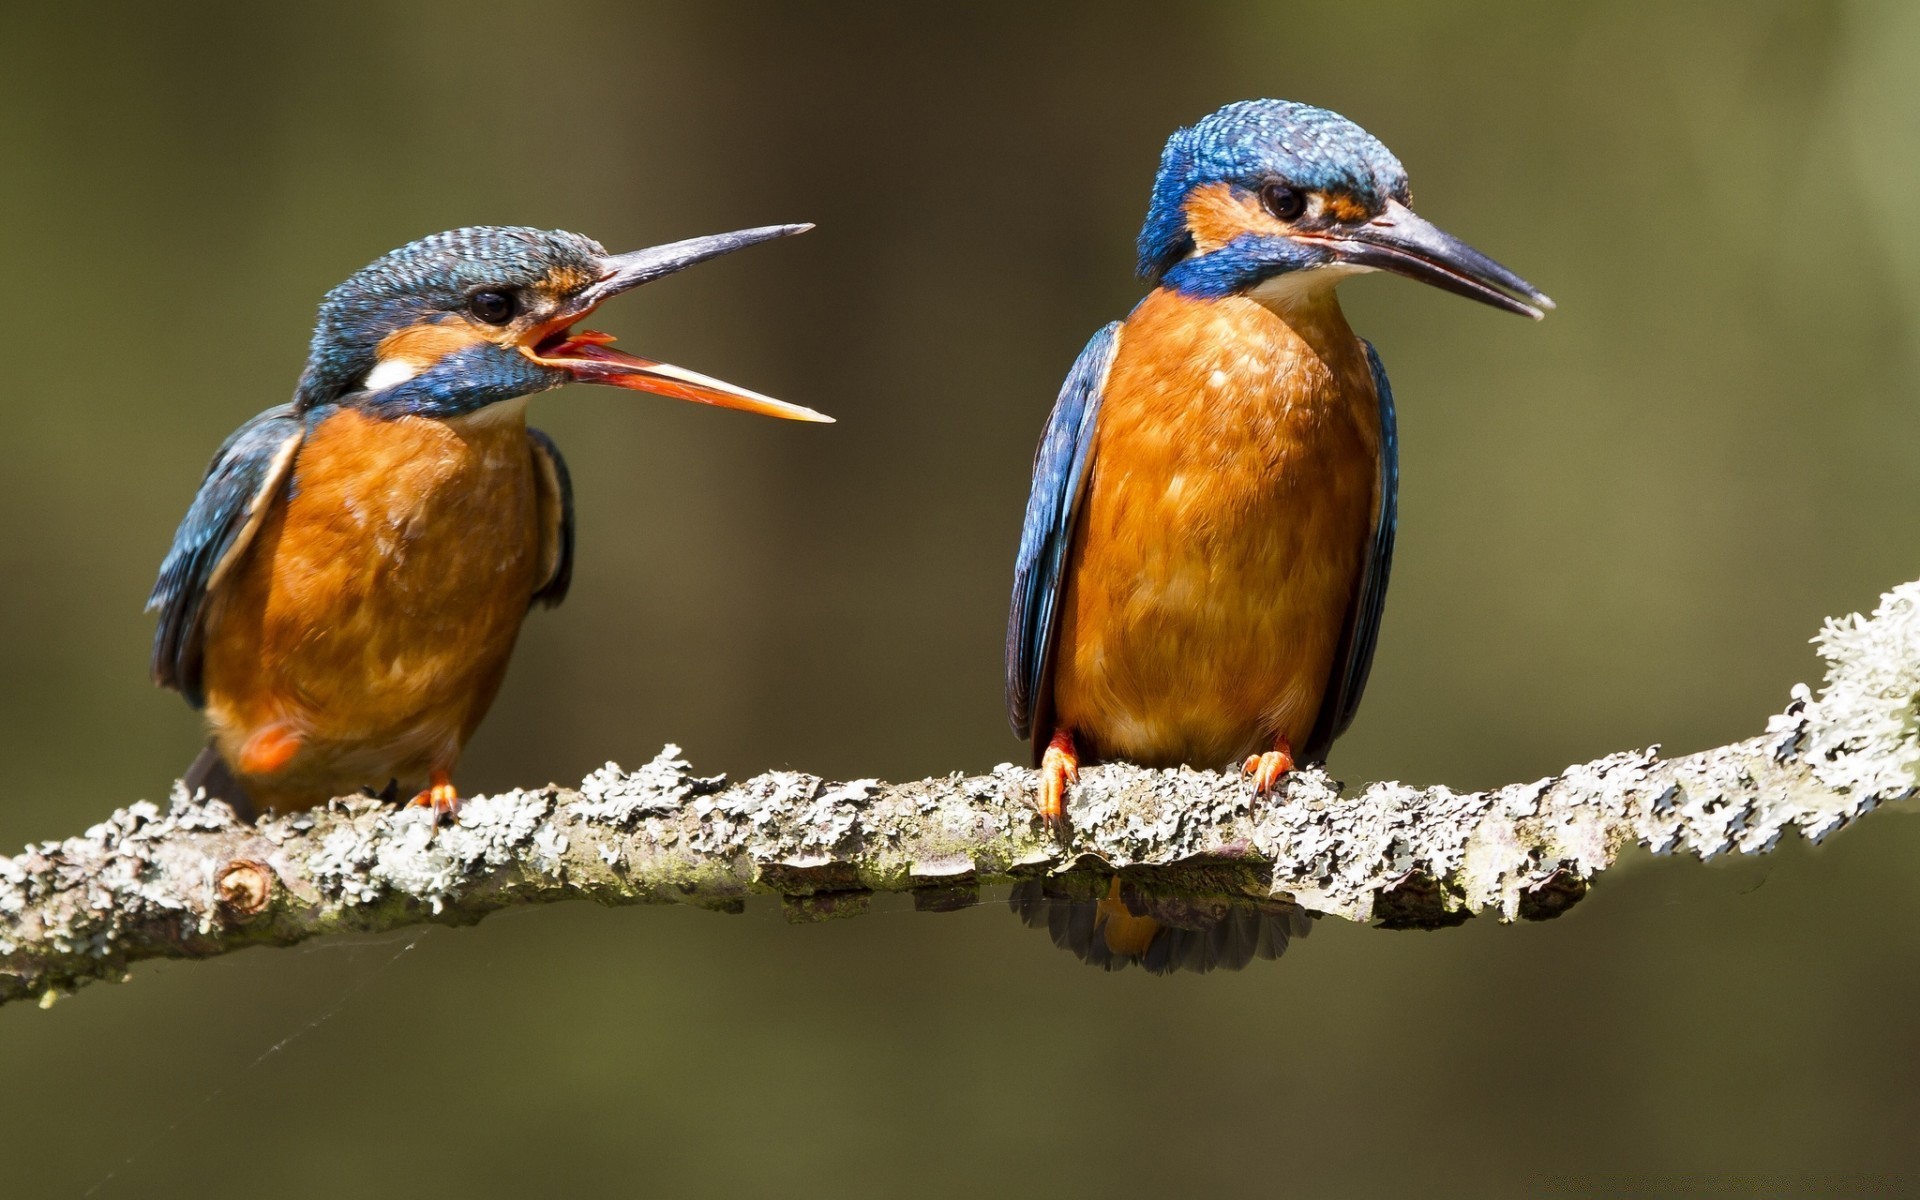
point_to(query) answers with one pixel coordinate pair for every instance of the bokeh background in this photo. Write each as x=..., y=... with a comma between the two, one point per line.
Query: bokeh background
x=1620, y=527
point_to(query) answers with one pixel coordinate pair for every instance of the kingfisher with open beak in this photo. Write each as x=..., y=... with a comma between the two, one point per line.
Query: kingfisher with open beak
x=344, y=592
x=1206, y=547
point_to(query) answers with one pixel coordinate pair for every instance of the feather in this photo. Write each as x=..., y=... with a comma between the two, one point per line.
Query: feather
x=245, y=478
x=555, y=488
x=1353, y=661
x=1059, y=469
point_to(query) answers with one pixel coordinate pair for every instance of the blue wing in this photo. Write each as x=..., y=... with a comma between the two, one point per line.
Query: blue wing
x=555, y=487
x=1354, y=658
x=1059, y=469
x=245, y=477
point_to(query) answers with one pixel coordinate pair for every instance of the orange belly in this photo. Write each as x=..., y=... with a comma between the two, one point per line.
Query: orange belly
x=1234, y=482
x=363, y=635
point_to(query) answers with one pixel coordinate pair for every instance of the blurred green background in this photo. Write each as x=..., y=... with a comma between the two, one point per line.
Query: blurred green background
x=1619, y=526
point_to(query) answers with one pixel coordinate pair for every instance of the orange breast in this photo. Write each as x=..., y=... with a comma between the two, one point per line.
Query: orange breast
x=368, y=627
x=1218, y=549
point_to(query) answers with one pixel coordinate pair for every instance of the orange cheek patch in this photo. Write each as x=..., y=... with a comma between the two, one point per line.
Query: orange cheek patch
x=1216, y=214
x=423, y=345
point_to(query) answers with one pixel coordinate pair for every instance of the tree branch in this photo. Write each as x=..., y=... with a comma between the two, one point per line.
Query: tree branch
x=190, y=881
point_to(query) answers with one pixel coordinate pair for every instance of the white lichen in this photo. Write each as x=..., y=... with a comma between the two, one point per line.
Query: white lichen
x=144, y=882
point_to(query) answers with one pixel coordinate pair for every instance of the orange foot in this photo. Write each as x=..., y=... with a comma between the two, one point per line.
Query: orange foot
x=1059, y=766
x=1267, y=769
x=270, y=748
x=440, y=795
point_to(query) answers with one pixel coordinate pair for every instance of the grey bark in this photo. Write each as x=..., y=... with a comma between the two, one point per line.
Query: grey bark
x=189, y=880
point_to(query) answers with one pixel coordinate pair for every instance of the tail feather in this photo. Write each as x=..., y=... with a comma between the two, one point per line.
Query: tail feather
x=209, y=771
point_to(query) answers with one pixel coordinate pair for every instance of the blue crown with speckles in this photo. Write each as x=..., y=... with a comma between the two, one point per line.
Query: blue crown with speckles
x=433, y=274
x=1249, y=142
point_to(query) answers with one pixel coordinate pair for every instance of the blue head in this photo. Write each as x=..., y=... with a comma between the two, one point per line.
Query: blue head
x=1272, y=196
x=457, y=321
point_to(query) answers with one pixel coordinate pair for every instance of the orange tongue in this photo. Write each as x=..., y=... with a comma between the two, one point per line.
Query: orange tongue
x=567, y=341
x=586, y=355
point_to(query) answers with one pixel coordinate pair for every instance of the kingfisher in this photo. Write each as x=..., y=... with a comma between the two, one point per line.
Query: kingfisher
x=1205, y=552
x=344, y=592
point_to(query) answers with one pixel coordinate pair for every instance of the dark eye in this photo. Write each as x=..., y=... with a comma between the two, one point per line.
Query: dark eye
x=1282, y=201
x=495, y=308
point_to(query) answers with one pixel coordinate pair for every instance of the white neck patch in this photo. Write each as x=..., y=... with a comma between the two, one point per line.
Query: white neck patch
x=389, y=372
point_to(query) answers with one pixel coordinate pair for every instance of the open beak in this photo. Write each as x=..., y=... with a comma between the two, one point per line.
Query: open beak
x=1401, y=241
x=589, y=357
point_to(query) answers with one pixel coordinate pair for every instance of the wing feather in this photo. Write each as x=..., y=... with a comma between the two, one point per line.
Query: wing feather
x=556, y=519
x=1060, y=468
x=1353, y=661
x=246, y=477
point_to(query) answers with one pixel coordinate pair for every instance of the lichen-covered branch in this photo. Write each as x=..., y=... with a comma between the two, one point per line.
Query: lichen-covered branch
x=189, y=880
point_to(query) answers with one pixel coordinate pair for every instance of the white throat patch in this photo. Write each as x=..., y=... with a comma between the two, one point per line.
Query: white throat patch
x=1289, y=289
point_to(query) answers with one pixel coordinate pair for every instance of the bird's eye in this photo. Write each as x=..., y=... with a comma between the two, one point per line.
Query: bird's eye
x=1282, y=201
x=495, y=308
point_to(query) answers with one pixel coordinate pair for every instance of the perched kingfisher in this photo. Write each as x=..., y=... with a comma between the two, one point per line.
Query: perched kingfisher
x=1206, y=546
x=343, y=595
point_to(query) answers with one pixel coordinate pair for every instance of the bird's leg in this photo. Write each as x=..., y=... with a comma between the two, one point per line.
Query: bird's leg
x=440, y=794
x=1267, y=769
x=1059, y=766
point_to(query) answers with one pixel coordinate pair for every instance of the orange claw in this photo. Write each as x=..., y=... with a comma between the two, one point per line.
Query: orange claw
x=1059, y=766
x=441, y=796
x=1268, y=769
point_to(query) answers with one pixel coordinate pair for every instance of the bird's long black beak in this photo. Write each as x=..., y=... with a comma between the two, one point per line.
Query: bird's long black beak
x=587, y=356
x=624, y=272
x=1402, y=241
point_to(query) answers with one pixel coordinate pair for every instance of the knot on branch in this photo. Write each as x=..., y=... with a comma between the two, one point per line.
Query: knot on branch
x=245, y=888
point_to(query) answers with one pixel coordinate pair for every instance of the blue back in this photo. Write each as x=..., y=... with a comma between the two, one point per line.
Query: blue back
x=1059, y=472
